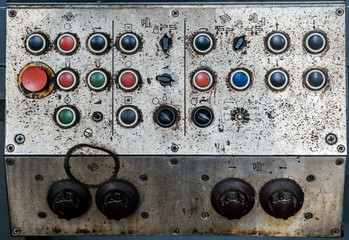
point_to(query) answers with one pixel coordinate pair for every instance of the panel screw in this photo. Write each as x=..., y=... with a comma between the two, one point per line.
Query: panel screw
x=174, y=161
x=88, y=132
x=39, y=178
x=12, y=13
x=205, y=215
x=310, y=178
x=339, y=161
x=174, y=231
x=16, y=231
x=308, y=215
x=97, y=116
x=175, y=13
x=340, y=148
x=331, y=139
x=144, y=215
x=42, y=215
x=143, y=178
x=174, y=148
x=19, y=138
x=205, y=178
x=10, y=148
x=10, y=162
x=339, y=12
x=335, y=231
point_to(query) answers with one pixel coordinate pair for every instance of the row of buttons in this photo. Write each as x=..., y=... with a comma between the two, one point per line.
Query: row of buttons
x=129, y=43
x=129, y=116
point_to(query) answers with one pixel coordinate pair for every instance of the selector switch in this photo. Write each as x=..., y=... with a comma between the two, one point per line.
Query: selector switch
x=36, y=43
x=98, y=43
x=239, y=43
x=67, y=43
x=233, y=198
x=315, y=42
x=315, y=79
x=165, y=79
x=129, y=43
x=66, y=117
x=281, y=198
x=117, y=199
x=277, y=43
x=165, y=43
x=202, y=117
x=165, y=116
x=202, y=80
x=67, y=80
x=240, y=79
x=68, y=199
x=202, y=43
x=277, y=80
x=128, y=80
x=128, y=116
x=97, y=80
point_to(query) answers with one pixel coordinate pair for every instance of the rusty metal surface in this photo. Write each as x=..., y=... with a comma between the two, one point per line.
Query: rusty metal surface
x=292, y=122
x=175, y=196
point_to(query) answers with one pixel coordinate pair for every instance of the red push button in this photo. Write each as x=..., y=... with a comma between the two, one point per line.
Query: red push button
x=128, y=80
x=203, y=80
x=66, y=80
x=66, y=43
x=34, y=79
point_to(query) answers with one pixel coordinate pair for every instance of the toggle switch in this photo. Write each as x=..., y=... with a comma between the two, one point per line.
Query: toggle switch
x=165, y=43
x=165, y=79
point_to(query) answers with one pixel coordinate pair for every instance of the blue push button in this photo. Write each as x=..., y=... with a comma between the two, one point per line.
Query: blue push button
x=277, y=80
x=240, y=80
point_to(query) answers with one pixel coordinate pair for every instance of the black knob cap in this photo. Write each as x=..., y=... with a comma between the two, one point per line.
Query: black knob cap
x=165, y=116
x=164, y=79
x=68, y=199
x=203, y=43
x=117, y=199
x=202, y=116
x=233, y=198
x=129, y=43
x=281, y=198
x=239, y=43
x=165, y=43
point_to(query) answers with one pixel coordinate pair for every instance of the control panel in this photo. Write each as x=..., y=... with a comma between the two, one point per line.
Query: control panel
x=176, y=119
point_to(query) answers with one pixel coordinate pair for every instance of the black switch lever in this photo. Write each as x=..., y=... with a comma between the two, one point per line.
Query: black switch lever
x=165, y=43
x=165, y=79
x=239, y=43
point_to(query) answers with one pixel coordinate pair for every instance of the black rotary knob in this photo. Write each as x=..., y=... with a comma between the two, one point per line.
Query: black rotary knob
x=202, y=117
x=165, y=116
x=117, y=199
x=281, y=198
x=233, y=198
x=68, y=199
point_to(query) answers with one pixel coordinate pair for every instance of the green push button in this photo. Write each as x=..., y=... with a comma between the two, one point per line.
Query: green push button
x=97, y=80
x=66, y=117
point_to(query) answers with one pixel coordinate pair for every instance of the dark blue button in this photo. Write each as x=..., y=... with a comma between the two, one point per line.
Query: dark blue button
x=316, y=80
x=316, y=43
x=278, y=80
x=98, y=43
x=203, y=43
x=36, y=43
x=240, y=79
x=277, y=43
x=129, y=43
x=128, y=117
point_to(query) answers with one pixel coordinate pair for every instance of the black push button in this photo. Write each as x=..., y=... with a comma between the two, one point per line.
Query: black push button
x=315, y=43
x=315, y=79
x=165, y=43
x=277, y=80
x=36, y=43
x=128, y=43
x=277, y=43
x=203, y=43
x=165, y=116
x=97, y=43
x=128, y=116
x=202, y=117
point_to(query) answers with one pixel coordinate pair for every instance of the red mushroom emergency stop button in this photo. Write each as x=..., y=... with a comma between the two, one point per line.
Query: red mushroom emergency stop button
x=67, y=80
x=128, y=80
x=34, y=79
x=67, y=43
x=202, y=80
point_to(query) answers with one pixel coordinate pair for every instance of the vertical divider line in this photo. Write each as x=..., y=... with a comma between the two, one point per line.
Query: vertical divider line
x=112, y=79
x=185, y=78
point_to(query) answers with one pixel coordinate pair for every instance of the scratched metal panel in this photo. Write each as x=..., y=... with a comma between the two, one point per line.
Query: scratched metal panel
x=295, y=117
x=175, y=196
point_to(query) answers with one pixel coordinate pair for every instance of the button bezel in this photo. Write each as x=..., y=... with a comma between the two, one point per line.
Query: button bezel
x=306, y=79
x=71, y=51
x=75, y=81
x=41, y=50
x=105, y=48
x=134, y=123
x=205, y=51
x=283, y=87
x=195, y=85
x=249, y=79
